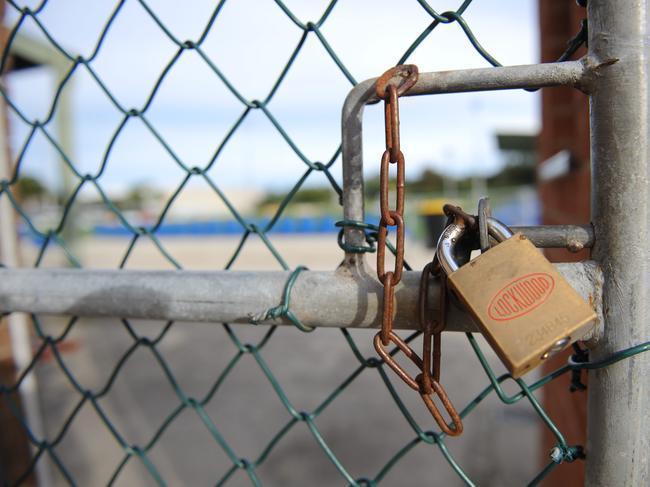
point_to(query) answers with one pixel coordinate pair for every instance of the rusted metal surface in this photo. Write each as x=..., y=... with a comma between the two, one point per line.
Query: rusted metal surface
x=429, y=379
x=425, y=383
x=392, y=363
x=409, y=75
x=392, y=218
x=390, y=92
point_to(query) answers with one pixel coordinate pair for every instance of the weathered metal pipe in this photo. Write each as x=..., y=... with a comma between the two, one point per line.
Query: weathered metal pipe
x=618, y=439
x=570, y=237
x=570, y=73
x=340, y=298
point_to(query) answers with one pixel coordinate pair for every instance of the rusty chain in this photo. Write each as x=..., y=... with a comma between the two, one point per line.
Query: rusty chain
x=427, y=382
x=429, y=378
x=390, y=93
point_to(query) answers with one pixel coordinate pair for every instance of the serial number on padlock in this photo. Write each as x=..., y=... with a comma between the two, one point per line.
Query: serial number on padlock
x=540, y=332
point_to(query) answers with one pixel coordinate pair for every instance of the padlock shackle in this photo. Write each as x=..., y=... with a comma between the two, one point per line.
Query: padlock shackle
x=498, y=230
x=450, y=236
x=446, y=245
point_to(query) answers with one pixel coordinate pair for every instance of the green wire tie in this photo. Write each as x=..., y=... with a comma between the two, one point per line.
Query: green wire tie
x=566, y=453
x=371, y=237
x=612, y=359
x=283, y=310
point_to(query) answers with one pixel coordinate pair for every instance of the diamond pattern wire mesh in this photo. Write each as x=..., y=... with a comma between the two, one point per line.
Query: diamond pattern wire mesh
x=50, y=345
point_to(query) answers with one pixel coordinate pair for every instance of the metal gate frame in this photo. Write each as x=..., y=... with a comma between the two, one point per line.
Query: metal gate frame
x=616, y=75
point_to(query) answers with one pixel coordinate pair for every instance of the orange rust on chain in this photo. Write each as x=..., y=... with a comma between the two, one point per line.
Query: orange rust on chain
x=393, y=217
x=427, y=383
x=383, y=186
x=437, y=354
x=457, y=213
x=457, y=429
x=429, y=379
x=399, y=249
x=391, y=115
x=408, y=73
x=392, y=363
x=390, y=92
x=426, y=325
x=387, y=309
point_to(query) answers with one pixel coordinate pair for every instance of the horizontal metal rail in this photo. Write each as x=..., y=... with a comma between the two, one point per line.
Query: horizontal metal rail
x=571, y=73
x=571, y=237
x=339, y=298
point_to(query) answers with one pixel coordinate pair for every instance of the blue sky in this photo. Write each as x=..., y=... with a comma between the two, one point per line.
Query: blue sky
x=250, y=42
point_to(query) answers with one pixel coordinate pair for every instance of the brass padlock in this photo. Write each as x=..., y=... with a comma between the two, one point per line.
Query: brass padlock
x=526, y=310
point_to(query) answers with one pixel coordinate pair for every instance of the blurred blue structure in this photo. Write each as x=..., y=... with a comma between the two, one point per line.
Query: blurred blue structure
x=523, y=209
x=289, y=225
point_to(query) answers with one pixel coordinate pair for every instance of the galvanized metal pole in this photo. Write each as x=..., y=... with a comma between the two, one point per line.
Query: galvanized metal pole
x=324, y=299
x=618, y=445
x=569, y=73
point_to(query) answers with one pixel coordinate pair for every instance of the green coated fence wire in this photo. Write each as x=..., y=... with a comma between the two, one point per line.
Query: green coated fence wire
x=55, y=237
x=283, y=309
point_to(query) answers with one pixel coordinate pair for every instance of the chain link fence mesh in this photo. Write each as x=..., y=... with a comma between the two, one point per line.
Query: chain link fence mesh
x=50, y=345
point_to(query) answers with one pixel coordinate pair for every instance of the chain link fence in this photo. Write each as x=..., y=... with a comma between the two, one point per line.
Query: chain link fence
x=51, y=346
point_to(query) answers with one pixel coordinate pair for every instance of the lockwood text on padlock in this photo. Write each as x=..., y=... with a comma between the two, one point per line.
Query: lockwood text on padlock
x=520, y=296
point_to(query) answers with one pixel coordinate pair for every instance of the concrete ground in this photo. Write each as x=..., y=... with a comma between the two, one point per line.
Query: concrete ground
x=363, y=427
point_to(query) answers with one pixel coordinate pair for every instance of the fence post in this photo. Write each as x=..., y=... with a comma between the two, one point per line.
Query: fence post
x=19, y=331
x=618, y=444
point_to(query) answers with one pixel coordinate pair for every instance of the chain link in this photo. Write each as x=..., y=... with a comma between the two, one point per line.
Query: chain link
x=427, y=382
x=429, y=379
x=390, y=92
x=392, y=155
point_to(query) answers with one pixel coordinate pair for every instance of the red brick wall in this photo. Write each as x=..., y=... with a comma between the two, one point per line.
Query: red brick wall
x=565, y=126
